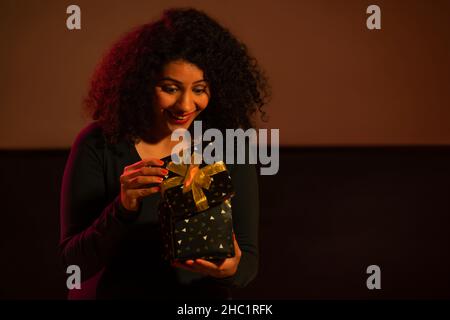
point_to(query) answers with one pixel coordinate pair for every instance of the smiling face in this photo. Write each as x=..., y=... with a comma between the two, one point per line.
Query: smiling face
x=180, y=94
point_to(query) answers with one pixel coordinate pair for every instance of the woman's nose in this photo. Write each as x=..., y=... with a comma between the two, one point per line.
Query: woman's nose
x=186, y=103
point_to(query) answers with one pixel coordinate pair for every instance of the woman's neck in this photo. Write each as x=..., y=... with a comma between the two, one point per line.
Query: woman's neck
x=158, y=148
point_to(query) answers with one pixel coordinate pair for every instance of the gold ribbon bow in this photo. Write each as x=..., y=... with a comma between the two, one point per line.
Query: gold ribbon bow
x=193, y=178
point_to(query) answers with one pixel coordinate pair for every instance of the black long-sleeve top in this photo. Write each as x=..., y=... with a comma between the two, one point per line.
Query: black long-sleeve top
x=118, y=252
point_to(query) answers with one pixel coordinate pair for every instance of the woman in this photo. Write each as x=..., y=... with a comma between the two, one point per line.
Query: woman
x=157, y=78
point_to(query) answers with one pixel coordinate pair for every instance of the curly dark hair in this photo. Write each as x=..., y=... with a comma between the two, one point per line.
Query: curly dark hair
x=119, y=97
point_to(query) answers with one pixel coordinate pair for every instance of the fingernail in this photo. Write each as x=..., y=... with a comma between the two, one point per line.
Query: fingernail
x=165, y=171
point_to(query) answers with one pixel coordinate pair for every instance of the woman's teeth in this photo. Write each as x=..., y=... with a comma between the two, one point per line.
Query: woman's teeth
x=178, y=117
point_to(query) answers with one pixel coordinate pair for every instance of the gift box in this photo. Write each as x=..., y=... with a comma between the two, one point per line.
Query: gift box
x=195, y=211
x=206, y=234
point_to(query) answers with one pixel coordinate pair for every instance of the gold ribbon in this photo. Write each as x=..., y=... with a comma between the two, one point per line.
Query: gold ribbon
x=201, y=180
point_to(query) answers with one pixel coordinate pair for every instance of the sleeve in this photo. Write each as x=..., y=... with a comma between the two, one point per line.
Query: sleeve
x=245, y=211
x=90, y=226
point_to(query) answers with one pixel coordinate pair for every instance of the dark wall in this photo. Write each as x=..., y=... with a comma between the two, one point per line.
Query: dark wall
x=326, y=216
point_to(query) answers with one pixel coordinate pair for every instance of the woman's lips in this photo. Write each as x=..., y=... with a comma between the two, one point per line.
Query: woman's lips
x=179, y=119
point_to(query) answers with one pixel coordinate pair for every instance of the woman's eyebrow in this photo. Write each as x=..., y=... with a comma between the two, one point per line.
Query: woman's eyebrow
x=179, y=82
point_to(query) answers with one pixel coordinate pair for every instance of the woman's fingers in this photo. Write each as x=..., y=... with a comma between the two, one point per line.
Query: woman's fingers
x=130, y=175
x=208, y=264
x=141, y=181
x=193, y=267
x=224, y=268
x=204, y=263
x=140, y=193
x=137, y=179
x=146, y=171
x=220, y=270
x=182, y=265
x=144, y=163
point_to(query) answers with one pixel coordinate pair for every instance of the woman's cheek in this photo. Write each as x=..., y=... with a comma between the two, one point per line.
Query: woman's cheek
x=204, y=103
x=162, y=100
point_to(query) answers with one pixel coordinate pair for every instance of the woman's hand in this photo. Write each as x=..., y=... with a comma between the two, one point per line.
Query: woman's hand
x=135, y=179
x=222, y=269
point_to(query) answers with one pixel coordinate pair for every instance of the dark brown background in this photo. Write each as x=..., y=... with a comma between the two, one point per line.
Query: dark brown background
x=334, y=81
x=360, y=111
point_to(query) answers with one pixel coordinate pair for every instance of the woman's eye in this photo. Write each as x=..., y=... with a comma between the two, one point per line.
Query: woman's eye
x=169, y=89
x=199, y=90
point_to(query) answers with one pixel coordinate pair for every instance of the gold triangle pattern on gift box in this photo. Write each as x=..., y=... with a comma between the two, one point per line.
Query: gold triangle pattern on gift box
x=207, y=235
